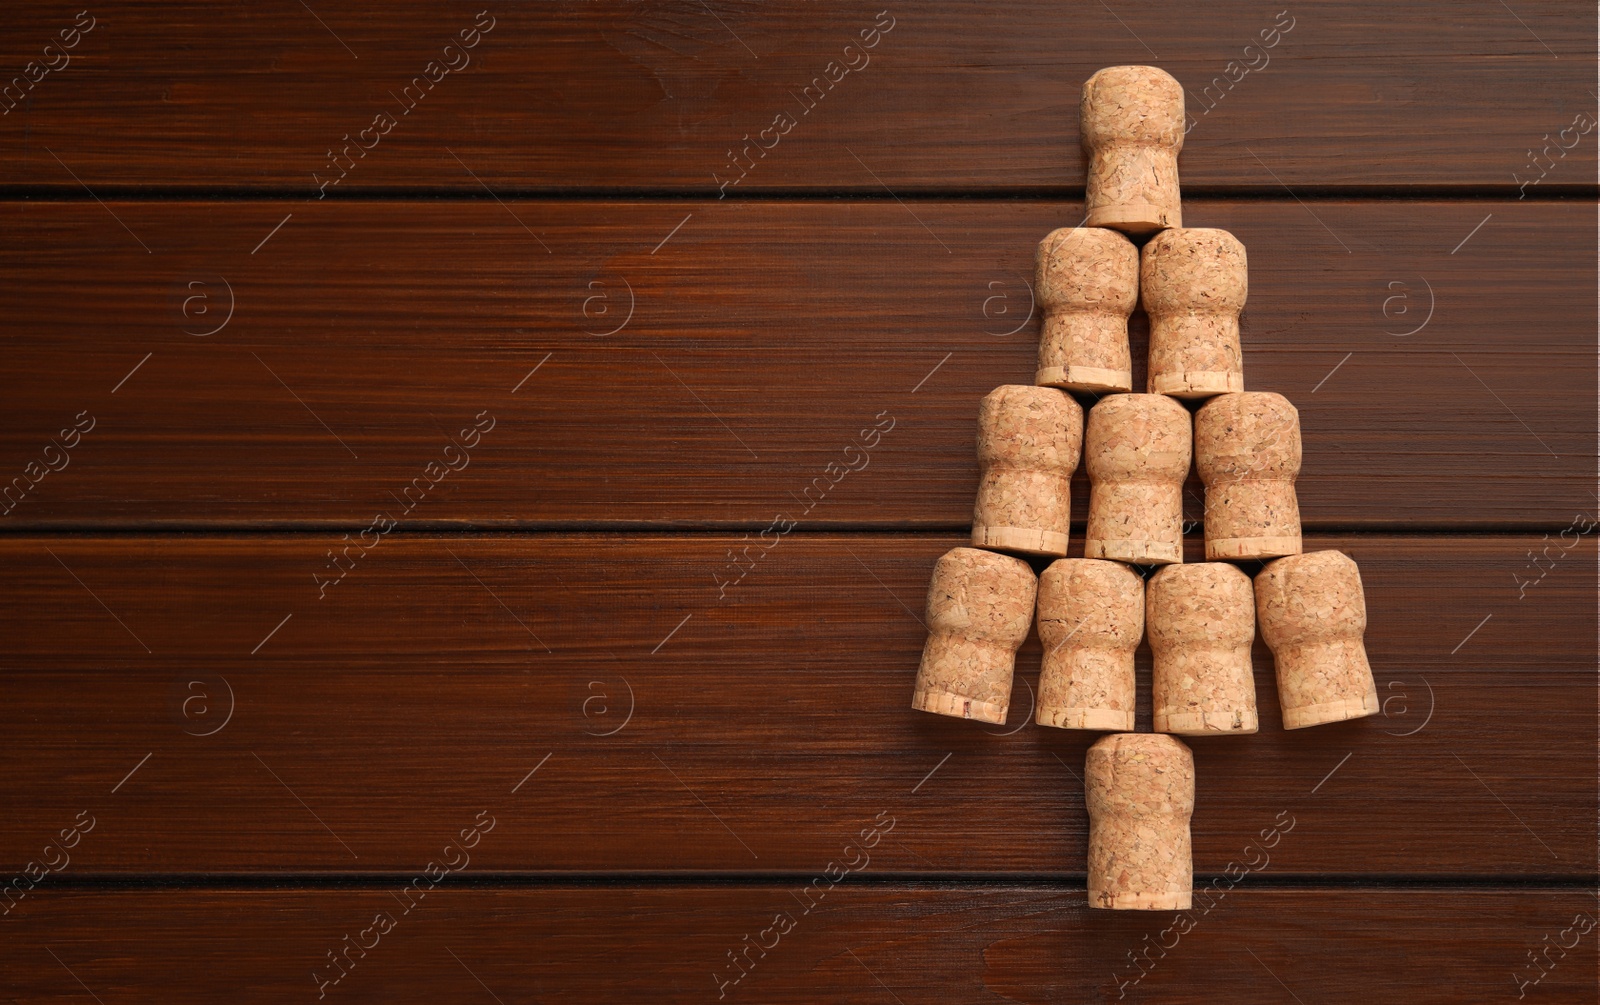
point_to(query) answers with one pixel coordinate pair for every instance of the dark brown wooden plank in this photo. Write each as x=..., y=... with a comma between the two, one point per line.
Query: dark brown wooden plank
x=754, y=347
x=860, y=943
x=956, y=95
x=760, y=729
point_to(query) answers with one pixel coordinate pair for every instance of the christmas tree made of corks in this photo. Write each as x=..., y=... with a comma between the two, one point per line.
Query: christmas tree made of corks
x=1200, y=618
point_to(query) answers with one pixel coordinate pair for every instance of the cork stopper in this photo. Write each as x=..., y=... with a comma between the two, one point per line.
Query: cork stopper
x=1247, y=449
x=1088, y=282
x=1029, y=439
x=1137, y=452
x=1202, y=620
x=1140, y=791
x=979, y=608
x=1091, y=618
x=1194, y=284
x=1313, y=616
x=1133, y=125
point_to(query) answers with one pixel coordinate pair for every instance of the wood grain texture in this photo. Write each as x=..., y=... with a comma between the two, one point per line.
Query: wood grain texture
x=1439, y=354
x=675, y=728
x=956, y=95
x=748, y=733
x=861, y=943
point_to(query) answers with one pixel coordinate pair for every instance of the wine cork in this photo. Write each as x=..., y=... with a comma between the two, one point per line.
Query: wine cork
x=1132, y=123
x=1247, y=449
x=1313, y=616
x=979, y=607
x=1137, y=451
x=1194, y=283
x=1029, y=439
x=1139, y=788
x=1088, y=284
x=1091, y=618
x=1202, y=620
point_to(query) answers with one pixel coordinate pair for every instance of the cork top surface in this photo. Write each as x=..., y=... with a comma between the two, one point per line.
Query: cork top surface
x=1247, y=434
x=1138, y=436
x=1310, y=597
x=1132, y=104
x=982, y=595
x=1096, y=600
x=1036, y=426
x=1196, y=269
x=1152, y=772
x=1202, y=604
x=1088, y=268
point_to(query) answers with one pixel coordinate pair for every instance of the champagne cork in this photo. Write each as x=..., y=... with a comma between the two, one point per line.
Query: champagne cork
x=1247, y=448
x=1132, y=123
x=1140, y=791
x=1194, y=284
x=1088, y=282
x=1313, y=616
x=1202, y=620
x=1029, y=439
x=1137, y=452
x=979, y=608
x=1091, y=618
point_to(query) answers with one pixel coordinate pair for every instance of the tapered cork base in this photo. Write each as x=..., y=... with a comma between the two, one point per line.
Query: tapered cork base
x=1333, y=711
x=1190, y=384
x=943, y=703
x=1085, y=378
x=965, y=677
x=1027, y=540
x=1142, y=552
x=1137, y=218
x=1175, y=900
x=1104, y=719
x=1335, y=671
x=1205, y=723
x=1234, y=548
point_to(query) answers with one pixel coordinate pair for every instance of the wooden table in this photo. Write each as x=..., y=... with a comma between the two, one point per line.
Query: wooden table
x=497, y=576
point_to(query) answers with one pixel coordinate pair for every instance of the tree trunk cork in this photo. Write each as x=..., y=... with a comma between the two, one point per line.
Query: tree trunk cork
x=1132, y=124
x=1137, y=451
x=1091, y=618
x=1247, y=448
x=1140, y=791
x=1088, y=282
x=1313, y=616
x=979, y=608
x=1194, y=284
x=1202, y=620
x=1029, y=439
